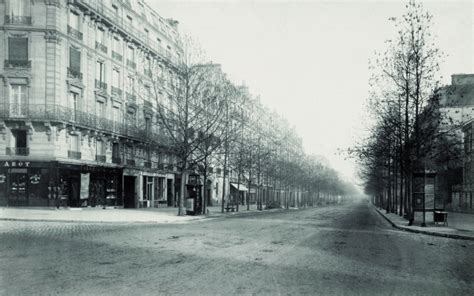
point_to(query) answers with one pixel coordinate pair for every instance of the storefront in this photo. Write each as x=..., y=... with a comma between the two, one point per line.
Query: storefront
x=29, y=183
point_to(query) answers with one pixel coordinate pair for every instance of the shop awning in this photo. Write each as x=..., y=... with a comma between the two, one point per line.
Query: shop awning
x=240, y=187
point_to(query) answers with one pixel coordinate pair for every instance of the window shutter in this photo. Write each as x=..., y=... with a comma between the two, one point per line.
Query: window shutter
x=17, y=49
x=75, y=59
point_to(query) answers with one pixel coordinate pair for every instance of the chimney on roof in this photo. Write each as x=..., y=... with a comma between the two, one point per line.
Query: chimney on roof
x=173, y=23
x=462, y=79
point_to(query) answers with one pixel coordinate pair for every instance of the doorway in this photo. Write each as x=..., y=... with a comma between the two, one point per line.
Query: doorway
x=129, y=192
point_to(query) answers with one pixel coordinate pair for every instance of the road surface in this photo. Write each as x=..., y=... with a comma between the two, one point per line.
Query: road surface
x=339, y=249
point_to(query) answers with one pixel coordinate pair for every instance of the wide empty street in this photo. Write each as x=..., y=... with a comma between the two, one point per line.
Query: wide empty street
x=336, y=249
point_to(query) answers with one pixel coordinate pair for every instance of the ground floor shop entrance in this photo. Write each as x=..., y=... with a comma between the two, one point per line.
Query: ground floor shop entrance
x=27, y=183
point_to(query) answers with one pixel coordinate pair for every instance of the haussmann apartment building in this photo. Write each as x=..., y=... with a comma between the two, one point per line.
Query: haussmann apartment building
x=75, y=122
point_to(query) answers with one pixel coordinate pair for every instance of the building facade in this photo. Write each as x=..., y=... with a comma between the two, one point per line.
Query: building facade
x=77, y=126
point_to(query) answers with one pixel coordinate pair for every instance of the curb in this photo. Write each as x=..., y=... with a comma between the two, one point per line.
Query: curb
x=408, y=229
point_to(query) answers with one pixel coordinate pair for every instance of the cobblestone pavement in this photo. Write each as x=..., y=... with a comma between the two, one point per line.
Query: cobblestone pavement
x=340, y=249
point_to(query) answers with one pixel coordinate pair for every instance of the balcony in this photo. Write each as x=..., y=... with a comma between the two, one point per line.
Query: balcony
x=23, y=151
x=100, y=158
x=139, y=35
x=117, y=56
x=116, y=160
x=131, y=98
x=130, y=162
x=100, y=85
x=74, y=73
x=17, y=20
x=74, y=32
x=101, y=47
x=74, y=154
x=131, y=64
x=62, y=114
x=17, y=64
x=116, y=91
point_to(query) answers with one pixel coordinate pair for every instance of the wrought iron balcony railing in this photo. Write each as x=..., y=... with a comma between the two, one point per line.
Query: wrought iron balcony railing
x=100, y=84
x=17, y=64
x=100, y=158
x=74, y=154
x=74, y=32
x=117, y=91
x=101, y=47
x=102, y=9
x=117, y=56
x=131, y=64
x=17, y=20
x=74, y=73
x=129, y=127
x=24, y=151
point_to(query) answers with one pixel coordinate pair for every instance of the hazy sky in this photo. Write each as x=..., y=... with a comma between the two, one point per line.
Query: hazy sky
x=308, y=60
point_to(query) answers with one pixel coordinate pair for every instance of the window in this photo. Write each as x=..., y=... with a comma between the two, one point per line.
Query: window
x=116, y=78
x=147, y=124
x=18, y=95
x=73, y=104
x=117, y=114
x=130, y=54
x=20, y=141
x=117, y=49
x=130, y=86
x=74, y=63
x=100, y=109
x=100, y=148
x=100, y=72
x=74, y=20
x=115, y=150
x=132, y=117
x=18, y=7
x=18, y=49
x=74, y=143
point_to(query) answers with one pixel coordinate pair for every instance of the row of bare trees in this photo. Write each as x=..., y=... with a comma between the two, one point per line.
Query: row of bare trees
x=407, y=135
x=208, y=122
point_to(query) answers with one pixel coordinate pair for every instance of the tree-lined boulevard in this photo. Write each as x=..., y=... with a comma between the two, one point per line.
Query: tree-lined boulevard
x=334, y=249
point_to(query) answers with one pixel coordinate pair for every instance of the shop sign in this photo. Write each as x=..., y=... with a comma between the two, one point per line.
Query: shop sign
x=16, y=164
x=35, y=179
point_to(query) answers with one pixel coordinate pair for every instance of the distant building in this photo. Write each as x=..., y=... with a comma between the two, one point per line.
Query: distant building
x=456, y=103
x=75, y=117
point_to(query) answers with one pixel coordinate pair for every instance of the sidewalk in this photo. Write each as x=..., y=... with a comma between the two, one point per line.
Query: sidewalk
x=460, y=226
x=113, y=215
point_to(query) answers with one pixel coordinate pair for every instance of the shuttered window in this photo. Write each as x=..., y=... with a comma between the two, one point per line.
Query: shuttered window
x=17, y=49
x=74, y=59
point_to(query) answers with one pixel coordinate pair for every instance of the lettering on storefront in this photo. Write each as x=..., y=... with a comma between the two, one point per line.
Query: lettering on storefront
x=16, y=164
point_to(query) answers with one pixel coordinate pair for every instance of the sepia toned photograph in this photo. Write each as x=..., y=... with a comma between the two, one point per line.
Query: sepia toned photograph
x=236, y=147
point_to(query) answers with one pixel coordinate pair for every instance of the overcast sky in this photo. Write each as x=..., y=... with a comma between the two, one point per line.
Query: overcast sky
x=308, y=60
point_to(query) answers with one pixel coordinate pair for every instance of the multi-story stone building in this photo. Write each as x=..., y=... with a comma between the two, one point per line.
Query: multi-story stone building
x=76, y=119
